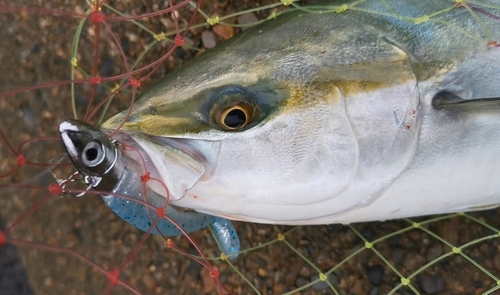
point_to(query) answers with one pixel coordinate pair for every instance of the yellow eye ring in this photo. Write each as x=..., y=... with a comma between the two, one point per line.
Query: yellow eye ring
x=235, y=116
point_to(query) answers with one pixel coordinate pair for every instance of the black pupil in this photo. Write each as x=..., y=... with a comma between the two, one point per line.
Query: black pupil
x=235, y=118
x=91, y=154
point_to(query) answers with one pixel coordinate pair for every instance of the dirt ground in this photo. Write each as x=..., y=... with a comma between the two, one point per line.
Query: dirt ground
x=36, y=48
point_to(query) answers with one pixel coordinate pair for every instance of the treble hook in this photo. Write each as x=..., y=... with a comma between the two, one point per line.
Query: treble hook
x=76, y=176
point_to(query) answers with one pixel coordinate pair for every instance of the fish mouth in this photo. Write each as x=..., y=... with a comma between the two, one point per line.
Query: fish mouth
x=173, y=164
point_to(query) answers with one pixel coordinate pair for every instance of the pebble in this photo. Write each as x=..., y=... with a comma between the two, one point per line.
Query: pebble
x=209, y=284
x=149, y=281
x=375, y=274
x=448, y=230
x=208, y=39
x=431, y=284
x=358, y=288
x=397, y=255
x=434, y=252
x=247, y=18
x=106, y=67
x=496, y=262
x=225, y=32
x=301, y=282
x=305, y=272
x=368, y=232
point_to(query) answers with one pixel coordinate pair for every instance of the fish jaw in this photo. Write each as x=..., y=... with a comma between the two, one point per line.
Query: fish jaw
x=174, y=165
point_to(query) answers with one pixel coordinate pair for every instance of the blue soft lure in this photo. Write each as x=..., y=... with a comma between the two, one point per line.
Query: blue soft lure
x=97, y=157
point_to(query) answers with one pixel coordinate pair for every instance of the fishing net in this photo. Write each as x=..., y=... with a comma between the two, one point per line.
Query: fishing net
x=59, y=60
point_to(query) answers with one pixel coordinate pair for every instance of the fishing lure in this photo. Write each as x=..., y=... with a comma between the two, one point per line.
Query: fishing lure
x=103, y=165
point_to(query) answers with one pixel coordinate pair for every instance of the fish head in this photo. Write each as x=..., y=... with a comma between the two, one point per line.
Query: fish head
x=280, y=117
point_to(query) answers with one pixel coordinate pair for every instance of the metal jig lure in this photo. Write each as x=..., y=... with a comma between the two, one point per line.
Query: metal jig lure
x=103, y=166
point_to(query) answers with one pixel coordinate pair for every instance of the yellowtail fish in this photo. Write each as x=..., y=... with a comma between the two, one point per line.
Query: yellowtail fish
x=375, y=110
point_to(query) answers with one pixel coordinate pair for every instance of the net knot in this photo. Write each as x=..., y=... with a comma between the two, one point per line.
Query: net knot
x=55, y=189
x=21, y=160
x=95, y=80
x=213, y=21
x=134, y=82
x=113, y=276
x=214, y=272
x=323, y=277
x=169, y=244
x=97, y=17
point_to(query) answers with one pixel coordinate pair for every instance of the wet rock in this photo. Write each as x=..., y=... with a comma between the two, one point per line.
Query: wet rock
x=431, y=284
x=359, y=288
x=301, y=282
x=434, y=252
x=225, y=32
x=449, y=230
x=397, y=255
x=247, y=18
x=368, y=232
x=305, y=272
x=208, y=39
x=148, y=281
x=375, y=274
x=496, y=262
x=209, y=284
x=106, y=67
x=180, y=52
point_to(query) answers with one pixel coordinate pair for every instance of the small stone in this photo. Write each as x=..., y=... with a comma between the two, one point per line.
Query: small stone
x=375, y=274
x=247, y=18
x=225, y=32
x=209, y=284
x=208, y=39
x=368, y=232
x=261, y=272
x=374, y=291
x=358, y=288
x=496, y=262
x=448, y=230
x=397, y=255
x=434, y=252
x=431, y=284
x=305, y=272
x=277, y=289
x=301, y=282
x=149, y=282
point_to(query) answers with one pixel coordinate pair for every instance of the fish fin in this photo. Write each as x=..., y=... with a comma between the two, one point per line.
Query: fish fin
x=446, y=100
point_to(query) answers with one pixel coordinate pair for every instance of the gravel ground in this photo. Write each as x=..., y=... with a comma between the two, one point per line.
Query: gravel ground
x=36, y=48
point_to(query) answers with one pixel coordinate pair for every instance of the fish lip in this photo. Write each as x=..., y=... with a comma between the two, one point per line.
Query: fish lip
x=192, y=149
x=138, y=156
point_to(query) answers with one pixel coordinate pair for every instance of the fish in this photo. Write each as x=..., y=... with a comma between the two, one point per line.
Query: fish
x=101, y=163
x=359, y=111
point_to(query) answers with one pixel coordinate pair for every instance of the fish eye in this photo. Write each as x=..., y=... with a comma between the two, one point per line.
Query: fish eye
x=93, y=154
x=235, y=116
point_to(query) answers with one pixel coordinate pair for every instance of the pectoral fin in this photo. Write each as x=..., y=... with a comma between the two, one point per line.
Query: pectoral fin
x=447, y=100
